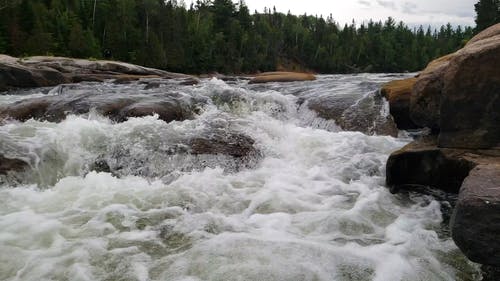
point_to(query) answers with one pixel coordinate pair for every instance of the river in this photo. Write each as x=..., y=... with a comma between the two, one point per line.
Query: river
x=307, y=202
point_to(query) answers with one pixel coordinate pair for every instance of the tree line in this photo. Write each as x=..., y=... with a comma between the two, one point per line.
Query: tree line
x=217, y=35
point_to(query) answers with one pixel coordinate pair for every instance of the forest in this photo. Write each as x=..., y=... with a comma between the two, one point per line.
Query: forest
x=223, y=36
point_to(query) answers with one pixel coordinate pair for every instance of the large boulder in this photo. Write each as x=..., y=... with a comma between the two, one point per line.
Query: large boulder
x=475, y=223
x=470, y=105
x=398, y=94
x=426, y=94
x=267, y=77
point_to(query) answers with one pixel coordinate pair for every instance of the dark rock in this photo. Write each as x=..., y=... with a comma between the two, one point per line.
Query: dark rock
x=398, y=94
x=100, y=166
x=169, y=106
x=475, y=223
x=189, y=82
x=424, y=163
x=18, y=76
x=353, y=113
x=470, y=106
x=331, y=107
x=490, y=273
x=8, y=165
x=233, y=145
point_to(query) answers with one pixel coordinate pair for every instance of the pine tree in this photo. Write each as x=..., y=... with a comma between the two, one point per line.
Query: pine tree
x=487, y=14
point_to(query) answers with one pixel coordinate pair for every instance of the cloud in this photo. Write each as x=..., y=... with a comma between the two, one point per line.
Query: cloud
x=410, y=8
x=365, y=3
x=387, y=4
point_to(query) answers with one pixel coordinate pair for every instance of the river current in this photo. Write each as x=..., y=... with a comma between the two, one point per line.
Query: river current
x=309, y=203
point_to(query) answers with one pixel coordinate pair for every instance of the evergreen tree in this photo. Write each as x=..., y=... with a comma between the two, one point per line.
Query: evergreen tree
x=221, y=35
x=487, y=13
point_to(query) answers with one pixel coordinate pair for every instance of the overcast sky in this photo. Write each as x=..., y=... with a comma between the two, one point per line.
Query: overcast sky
x=412, y=12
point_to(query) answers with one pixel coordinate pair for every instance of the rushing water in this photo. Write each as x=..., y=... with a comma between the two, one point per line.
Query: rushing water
x=309, y=204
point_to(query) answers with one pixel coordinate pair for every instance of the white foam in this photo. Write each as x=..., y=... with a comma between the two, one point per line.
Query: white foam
x=314, y=208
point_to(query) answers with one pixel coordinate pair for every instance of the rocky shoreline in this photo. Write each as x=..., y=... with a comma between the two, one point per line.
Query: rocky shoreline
x=458, y=98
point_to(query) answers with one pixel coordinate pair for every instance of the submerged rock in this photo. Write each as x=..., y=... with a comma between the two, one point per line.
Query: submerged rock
x=165, y=159
x=475, y=223
x=8, y=165
x=366, y=114
x=233, y=145
x=398, y=94
x=267, y=77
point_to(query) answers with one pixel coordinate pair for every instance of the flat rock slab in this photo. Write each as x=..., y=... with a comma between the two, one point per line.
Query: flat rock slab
x=475, y=223
x=45, y=71
x=267, y=77
x=169, y=105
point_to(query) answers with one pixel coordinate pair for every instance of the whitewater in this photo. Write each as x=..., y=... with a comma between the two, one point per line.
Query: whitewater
x=308, y=202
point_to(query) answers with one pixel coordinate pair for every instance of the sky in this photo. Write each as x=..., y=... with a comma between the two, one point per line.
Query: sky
x=412, y=12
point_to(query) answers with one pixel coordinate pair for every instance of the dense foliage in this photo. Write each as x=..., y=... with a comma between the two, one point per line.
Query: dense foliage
x=488, y=13
x=216, y=35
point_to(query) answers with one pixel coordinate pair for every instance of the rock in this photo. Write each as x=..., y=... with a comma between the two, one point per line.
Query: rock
x=126, y=78
x=51, y=71
x=282, y=77
x=470, y=106
x=490, y=273
x=425, y=101
x=423, y=163
x=363, y=114
x=491, y=31
x=189, y=82
x=475, y=223
x=234, y=145
x=398, y=93
x=164, y=158
x=331, y=107
x=169, y=106
x=18, y=76
x=8, y=165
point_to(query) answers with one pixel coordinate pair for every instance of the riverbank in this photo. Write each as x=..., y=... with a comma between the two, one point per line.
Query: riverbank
x=458, y=98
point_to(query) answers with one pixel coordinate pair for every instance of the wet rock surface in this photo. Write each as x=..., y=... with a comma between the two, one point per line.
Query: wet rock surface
x=351, y=113
x=45, y=71
x=231, y=151
x=8, y=165
x=458, y=97
x=475, y=223
x=267, y=77
x=169, y=105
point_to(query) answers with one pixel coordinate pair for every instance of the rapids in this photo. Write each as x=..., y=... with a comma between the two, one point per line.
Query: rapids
x=307, y=203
